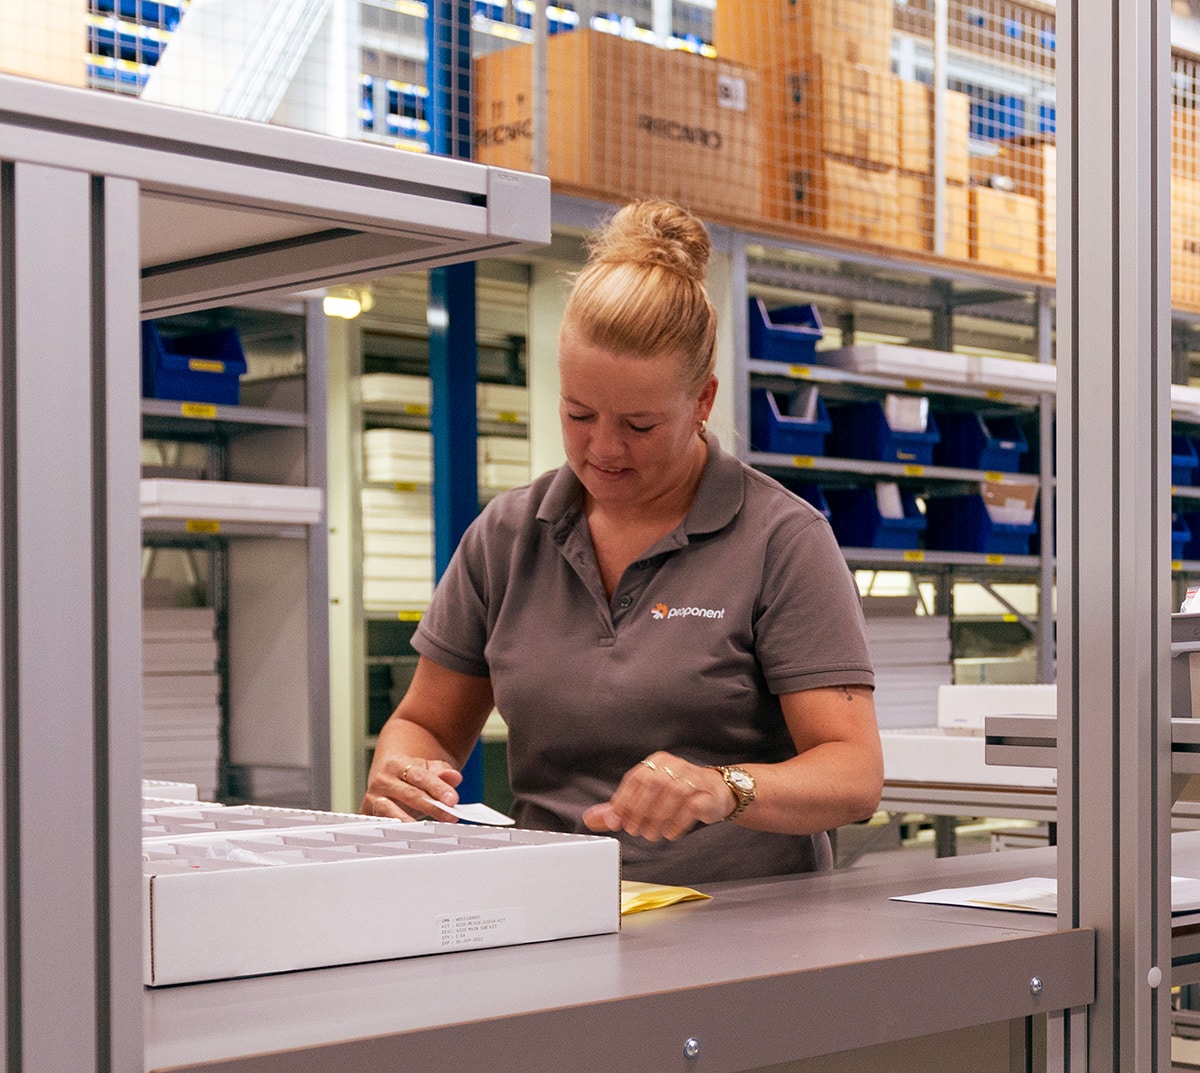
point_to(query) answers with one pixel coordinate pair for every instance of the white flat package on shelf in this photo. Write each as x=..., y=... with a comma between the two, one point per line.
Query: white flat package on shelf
x=398, y=393
x=181, y=714
x=243, y=890
x=405, y=456
x=943, y=367
x=954, y=750
x=936, y=755
x=231, y=501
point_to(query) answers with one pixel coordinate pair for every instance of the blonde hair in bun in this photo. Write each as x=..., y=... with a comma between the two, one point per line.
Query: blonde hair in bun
x=642, y=290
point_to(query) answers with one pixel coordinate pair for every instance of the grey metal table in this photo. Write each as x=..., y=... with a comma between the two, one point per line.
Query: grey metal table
x=765, y=972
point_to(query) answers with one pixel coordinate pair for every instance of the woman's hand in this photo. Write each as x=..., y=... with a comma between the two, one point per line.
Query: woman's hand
x=410, y=787
x=663, y=796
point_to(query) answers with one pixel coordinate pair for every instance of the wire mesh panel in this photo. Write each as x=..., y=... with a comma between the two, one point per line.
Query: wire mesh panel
x=816, y=119
x=1185, y=182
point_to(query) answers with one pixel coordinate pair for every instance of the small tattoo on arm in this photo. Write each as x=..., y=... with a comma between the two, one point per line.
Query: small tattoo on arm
x=847, y=694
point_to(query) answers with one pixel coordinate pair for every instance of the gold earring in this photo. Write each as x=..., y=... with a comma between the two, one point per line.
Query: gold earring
x=703, y=426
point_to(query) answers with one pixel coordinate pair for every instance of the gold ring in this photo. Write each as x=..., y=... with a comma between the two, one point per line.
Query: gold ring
x=670, y=772
x=406, y=769
x=650, y=764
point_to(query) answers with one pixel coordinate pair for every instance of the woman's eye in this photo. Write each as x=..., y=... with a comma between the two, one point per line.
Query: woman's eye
x=641, y=428
x=578, y=417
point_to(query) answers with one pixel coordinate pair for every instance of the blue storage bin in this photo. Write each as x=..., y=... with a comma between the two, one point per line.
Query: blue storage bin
x=195, y=367
x=788, y=422
x=788, y=335
x=1181, y=535
x=964, y=523
x=1189, y=520
x=862, y=430
x=1183, y=460
x=858, y=521
x=973, y=441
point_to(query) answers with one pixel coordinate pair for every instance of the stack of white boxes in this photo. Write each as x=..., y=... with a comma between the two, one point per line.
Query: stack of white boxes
x=912, y=659
x=397, y=506
x=397, y=549
x=181, y=710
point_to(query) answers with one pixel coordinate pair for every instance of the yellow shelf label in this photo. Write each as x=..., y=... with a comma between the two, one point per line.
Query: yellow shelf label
x=800, y=371
x=803, y=461
x=198, y=409
x=410, y=616
x=993, y=477
x=1176, y=564
x=416, y=409
x=205, y=365
x=995, y=394
x=508, y=417
x=998, y=560
x=913, y=470
x=202, y=525
x=404, y=486
x=915, y=385
x=914, y=556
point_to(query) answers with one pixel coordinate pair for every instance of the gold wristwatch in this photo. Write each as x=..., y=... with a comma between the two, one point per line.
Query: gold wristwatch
x=742, y=783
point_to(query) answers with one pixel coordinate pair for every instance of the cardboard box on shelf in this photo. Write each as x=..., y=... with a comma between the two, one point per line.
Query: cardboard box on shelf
x=626, y=120
x=1030, y=165
x=770, y=32
x=1185, y=142
x=1185, y=241
x=47, y=41
x=916, y=218
x=1004, y=229
x=838, y=109
x=916, y=131
x=831, y=195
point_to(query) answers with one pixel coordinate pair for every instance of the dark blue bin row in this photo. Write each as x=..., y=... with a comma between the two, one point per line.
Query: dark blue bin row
x=203, y=366
x=798, y=422
x=949, y=523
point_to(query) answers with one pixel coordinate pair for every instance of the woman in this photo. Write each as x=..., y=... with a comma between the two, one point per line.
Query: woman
x=673, y=639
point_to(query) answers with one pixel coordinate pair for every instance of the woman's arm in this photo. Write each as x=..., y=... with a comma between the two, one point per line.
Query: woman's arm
x=836, y=778
x=425, y=742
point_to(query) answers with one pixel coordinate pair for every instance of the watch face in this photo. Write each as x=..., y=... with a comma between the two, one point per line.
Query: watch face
x=742, y=781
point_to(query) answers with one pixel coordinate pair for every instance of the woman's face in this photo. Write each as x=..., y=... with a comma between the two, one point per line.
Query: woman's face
x=629, y=423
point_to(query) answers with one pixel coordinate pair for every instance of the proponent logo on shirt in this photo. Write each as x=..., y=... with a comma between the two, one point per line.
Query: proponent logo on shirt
x=662, y=611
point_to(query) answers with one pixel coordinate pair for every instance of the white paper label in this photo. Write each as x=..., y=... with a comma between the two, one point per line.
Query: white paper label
x=491, y=927
x=731, y=92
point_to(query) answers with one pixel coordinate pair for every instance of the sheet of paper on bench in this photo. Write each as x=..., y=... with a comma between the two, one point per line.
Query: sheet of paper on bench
x=1038, y=895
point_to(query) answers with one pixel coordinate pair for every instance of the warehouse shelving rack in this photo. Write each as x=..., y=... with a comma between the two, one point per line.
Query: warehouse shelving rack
x=261, y=578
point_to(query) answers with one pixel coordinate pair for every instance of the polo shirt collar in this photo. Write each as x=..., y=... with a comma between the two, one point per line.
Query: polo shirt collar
x=717, y=502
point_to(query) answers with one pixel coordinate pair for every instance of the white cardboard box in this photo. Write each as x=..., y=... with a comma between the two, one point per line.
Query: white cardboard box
x=966, y=707
x=222, y=905
x=231, y=501
x=937, y=755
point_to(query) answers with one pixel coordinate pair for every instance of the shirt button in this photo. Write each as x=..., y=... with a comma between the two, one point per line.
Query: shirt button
x=626, y=601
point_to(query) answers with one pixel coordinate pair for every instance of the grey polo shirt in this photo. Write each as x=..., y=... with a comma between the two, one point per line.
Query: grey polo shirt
x=748, y=598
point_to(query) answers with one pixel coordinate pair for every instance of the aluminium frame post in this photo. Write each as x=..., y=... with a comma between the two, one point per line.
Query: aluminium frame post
x=1114, y=518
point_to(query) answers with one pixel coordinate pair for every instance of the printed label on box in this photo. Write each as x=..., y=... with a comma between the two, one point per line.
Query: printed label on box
x=492, y=927
x=731, y=92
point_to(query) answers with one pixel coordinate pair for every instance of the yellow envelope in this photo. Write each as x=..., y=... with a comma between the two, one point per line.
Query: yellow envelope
x=638, y=897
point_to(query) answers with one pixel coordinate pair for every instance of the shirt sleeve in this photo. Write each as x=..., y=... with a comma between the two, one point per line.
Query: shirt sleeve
x=810, y=632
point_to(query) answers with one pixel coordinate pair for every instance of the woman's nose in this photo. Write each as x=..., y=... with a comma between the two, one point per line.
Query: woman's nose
x=606, y=440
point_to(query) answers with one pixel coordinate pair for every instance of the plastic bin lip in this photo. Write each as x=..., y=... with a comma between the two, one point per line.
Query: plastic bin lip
x=798, y=320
